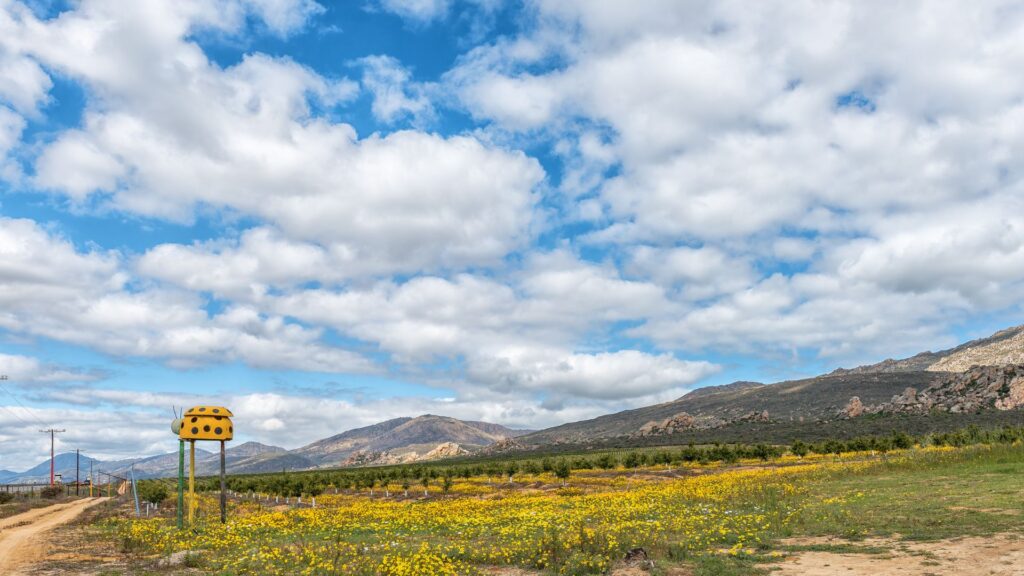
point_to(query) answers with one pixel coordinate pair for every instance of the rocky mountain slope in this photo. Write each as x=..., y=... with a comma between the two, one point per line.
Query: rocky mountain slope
x=887, y=388
x=977, y=389
x=805, y=400
x=1003, y=347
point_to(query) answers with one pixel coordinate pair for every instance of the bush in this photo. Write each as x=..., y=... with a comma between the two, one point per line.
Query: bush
x=6, y=497
x=153, y=492
x=50, y=492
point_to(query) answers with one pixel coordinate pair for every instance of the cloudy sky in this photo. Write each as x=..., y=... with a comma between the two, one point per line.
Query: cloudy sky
x=325, y=215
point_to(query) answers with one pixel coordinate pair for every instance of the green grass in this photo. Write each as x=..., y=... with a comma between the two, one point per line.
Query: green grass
x=975, y=491
x=839, y=548
x=725, y=565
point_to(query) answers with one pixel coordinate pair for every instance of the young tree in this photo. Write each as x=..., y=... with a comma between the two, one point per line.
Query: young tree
x=631, y=461
x=562, y=471
x=799, y=449
x=510, y=470
x=446, y=483
x=152, y=491
x=385, y=482
x=405, y=485
x=425, y=480
x=532, y=468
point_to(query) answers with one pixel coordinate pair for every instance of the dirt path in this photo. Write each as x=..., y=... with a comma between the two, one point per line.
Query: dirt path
x=21, y=536
x=999, y=555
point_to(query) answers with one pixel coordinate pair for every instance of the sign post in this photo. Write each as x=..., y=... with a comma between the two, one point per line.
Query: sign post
x=181, y=482
x=202, y=423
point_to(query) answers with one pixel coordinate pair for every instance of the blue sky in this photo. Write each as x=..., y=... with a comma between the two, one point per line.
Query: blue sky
x=325, y=215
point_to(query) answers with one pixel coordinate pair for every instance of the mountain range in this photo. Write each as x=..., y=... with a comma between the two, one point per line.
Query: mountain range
x=925, y=392
x=399, y=440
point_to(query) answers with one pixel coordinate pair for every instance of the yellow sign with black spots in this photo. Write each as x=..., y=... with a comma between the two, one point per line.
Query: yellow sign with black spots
x=207, y=423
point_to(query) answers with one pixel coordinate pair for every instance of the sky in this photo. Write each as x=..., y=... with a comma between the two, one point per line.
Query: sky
x=325, y=215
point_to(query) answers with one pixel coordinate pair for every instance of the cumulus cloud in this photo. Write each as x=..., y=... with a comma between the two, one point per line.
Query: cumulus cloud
x=395, y=95
x=160, y=140
x=417, y=11
x=26, y=369
x=51, y=289
x=510, y=339
x=785, y=166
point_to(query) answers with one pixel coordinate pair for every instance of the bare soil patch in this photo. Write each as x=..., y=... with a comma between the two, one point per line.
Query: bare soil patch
x=999, y=555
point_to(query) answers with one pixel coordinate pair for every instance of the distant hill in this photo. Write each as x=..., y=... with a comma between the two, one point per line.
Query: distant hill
x=404, y=439
x=402, y=436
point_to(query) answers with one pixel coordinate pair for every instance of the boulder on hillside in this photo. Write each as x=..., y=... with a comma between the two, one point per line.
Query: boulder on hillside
x=503, y=446
x=853, y=409
x=445, y=450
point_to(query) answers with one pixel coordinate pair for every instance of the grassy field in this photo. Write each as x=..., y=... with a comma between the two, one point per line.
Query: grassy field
x=706, y=520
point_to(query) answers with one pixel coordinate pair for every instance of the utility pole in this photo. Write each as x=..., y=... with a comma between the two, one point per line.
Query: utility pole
x=51, y=432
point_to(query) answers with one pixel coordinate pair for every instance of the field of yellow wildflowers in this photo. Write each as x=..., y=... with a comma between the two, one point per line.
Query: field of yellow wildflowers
x=579, y=529
x=682, y=515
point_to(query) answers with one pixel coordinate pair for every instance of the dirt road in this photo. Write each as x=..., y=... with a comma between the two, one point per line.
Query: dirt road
x=21, y=537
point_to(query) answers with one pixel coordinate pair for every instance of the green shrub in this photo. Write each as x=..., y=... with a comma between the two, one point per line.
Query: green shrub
x=50, y=492
x=153, y=492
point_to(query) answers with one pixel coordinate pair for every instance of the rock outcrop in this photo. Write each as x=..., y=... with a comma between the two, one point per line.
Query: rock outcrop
x=503, y=446
x=445, y=450
x=683, y=422
x=387, y=458
x=980, y=388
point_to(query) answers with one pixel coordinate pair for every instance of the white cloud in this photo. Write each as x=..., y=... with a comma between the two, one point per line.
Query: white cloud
x=166, y=131
x=244, y=270
x=820, y=226
x=517, y=339
x=285, y=16
x=26, y=369
x=417, y=11
x=605, y=375
x=395, y=95
x=11, y=126
x=50, y=289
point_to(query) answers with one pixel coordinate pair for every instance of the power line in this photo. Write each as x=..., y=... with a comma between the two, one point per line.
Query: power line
x=4, y=378
x=11, y=412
